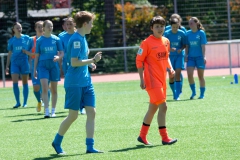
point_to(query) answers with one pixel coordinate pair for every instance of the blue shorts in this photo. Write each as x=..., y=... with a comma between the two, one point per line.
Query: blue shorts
x=196, y=62
x=34, y=80
x=79, y=97
x=64, y=66
x=20, y=66
x=177, y=61
x=47, y=69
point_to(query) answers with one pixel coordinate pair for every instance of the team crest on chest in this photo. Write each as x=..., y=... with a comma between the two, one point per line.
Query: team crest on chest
x=53, y=41
x=76, y=44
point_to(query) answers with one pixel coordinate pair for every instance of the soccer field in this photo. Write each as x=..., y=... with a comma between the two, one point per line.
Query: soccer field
x=206, y=129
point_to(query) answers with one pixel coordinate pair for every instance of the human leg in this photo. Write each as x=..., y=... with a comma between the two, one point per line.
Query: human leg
x=202, y=82
x=54, y=97
x=16, y=90
x=162, y=124
x=44, y=84
x=25, y=89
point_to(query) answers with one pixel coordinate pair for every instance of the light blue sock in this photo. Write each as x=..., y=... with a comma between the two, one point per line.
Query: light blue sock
x=202, y=91
x=181, y=83
x=193, y=88
x=57, y=143
x=178, y=88
x=172, y=86
x=90, y=144
x=25, y=94
x=38, y=96
x=16, y=93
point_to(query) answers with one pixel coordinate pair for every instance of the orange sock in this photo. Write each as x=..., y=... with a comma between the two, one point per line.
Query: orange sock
x=144, y=132
x=164, y=135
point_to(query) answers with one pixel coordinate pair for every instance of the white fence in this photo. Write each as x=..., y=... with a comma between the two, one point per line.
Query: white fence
x=220, y=54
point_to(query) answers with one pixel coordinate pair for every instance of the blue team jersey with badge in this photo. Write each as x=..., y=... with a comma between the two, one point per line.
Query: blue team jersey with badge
x=177, y=40
x=77, y=76
x=195, y=40
x=64, y=39
x=170, y=27
x=48, y=47
x=16, y=45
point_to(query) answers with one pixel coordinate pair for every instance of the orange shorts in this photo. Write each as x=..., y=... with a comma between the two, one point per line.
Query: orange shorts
x=157, y=95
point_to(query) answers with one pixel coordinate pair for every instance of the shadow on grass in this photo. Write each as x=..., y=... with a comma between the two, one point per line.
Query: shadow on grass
x=17, y=108
x=181, y=100
x=53, y=156
x=33, y=114
x=134, y=148
x=37, y=119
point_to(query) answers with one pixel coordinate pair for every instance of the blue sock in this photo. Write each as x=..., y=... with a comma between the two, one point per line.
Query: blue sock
x=57, y=143
x=172, y=86
x=90, y=143
x=178, y=88
x=38, y=96
x=25, y=94
x=181, y=83
x=202, y=91
x=193, y=88
x=16, y=93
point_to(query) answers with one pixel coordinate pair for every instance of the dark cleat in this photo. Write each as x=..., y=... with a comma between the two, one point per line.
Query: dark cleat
x=17, y=105
x=140, y=140
x=170, y=142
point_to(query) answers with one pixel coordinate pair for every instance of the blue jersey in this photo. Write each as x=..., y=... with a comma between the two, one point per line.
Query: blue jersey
x=195, y=40
x=48, y=47
x=177, y=40
x=77, y=76
x=16, y=45
x=64, y=39
x=170, y=27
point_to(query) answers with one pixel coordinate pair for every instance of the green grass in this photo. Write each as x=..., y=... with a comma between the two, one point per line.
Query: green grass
x=206, y=129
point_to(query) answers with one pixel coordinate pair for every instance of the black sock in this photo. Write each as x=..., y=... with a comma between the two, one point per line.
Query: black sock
x=146, y=124
x=161, y=127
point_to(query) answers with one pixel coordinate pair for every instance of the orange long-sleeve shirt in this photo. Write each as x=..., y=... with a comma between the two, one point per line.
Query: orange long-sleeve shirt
x=153, y=57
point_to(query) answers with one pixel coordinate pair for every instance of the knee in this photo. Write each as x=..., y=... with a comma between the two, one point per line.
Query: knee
x=72, y=118
x=163, y=108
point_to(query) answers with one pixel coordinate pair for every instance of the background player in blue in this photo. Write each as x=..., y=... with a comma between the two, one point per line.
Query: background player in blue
x=35, y=81
x=78, y=85
x=195, y=55
x=49, y=51
x=180, y=21
x=64, y=39
x=19, y=62
x=64, y=27
x=177, y=40
x=182, y=28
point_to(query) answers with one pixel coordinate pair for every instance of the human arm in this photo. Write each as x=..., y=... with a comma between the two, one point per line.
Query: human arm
x=28, y=52
x=75, y=62
x=35, y=65
x=186, y=53
x=8, y=62
x=203, y=52
x=171, y=70
x=142, y=83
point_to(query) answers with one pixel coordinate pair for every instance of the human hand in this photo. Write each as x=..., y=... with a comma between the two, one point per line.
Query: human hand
x=93, y=66
x=56, y=58
x=186, y=59
x=173, y=49
x=205, y=60
x=142, y=84
x=98, y=56
x=35, y=74
x=171, y=73
x=7, y=71
x=179, y=51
